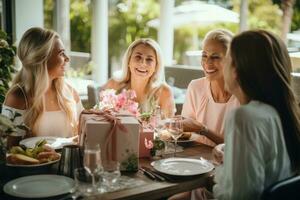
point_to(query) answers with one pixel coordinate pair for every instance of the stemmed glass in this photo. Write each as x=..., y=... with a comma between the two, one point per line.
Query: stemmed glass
x=92, y=161
x=175, y=128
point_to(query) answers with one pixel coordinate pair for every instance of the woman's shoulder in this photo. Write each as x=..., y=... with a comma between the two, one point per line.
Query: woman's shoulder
x=164, y=90
x=198, y=83
x=112, y=84
x=15, y=98
x=255, y=112
x=199, y=88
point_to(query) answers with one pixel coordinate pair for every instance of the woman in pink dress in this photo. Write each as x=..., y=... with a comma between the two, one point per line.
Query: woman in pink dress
x=207, y=102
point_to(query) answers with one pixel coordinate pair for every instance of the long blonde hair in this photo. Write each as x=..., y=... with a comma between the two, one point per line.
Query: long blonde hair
x=156, y=79
x=34, y=50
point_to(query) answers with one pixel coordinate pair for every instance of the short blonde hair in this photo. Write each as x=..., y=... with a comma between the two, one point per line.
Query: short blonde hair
x=222, y=36
x=156, y=78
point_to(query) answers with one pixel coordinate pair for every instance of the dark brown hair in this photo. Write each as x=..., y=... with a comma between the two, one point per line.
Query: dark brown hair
x=264, y=68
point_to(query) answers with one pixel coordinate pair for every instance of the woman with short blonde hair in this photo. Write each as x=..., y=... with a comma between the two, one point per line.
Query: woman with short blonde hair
x=207, y=101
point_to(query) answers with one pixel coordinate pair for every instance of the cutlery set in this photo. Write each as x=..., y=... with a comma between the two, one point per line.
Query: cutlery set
x=153, y=175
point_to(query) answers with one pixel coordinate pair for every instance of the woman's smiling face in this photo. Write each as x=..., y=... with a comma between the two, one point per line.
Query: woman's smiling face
x=142, y=61
x=213, y=56
x=58, y=60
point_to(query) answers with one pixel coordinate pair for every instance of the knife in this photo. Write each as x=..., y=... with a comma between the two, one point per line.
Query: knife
x=148, y=174
x=157, y=176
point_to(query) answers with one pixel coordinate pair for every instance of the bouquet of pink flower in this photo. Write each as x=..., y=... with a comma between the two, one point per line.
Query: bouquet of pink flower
x=124, y=101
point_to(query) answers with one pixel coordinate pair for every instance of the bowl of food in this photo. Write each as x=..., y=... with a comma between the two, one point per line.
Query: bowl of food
x=21, y=161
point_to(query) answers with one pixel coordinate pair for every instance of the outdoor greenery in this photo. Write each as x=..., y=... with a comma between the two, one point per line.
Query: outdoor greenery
x=128, y=21
x=7, y=53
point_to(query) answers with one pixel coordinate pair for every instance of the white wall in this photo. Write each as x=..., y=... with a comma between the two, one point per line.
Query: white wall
x=27, y=14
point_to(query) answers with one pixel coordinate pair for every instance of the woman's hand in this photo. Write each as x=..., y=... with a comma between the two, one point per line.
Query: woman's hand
x=218, y=154
x=191, y=125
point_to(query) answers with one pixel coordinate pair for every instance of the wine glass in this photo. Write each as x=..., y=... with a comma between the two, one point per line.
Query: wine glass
x=92, y=161
x=175, y=128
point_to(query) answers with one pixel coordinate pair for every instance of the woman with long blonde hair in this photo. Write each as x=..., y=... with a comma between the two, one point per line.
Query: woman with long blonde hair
x=46, y=104
x=142, y=72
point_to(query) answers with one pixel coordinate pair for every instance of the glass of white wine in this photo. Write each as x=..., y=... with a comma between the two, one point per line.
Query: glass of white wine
x=92, y=161
x=175, y=128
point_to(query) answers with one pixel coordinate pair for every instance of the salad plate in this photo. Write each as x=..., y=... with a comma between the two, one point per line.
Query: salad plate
x=53, y=142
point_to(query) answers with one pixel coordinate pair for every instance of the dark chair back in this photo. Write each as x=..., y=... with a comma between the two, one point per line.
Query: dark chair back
x=285, y=189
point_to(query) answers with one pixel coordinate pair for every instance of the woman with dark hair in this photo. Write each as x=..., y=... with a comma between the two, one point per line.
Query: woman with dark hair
x=263, y=135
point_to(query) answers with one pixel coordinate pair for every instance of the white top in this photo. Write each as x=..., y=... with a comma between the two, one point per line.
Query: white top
x=255, y=153
x=201, y=106
x=51, y=123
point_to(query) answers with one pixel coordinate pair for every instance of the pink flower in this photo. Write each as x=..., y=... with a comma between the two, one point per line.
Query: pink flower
x=123, y=101
x=148, y=144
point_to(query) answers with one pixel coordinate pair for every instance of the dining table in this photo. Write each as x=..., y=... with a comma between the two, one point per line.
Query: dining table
x=152, y=189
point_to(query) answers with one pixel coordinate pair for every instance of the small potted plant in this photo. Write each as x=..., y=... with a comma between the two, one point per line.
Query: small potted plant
x=156, y=147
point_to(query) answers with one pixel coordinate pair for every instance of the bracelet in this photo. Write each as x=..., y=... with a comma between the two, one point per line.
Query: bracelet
x=203, y=130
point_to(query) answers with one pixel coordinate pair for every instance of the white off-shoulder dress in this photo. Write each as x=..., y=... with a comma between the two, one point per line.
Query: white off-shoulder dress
x=51, y=123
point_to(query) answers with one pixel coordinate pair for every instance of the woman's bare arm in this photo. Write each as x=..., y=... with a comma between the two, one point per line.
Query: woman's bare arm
x=191, y=125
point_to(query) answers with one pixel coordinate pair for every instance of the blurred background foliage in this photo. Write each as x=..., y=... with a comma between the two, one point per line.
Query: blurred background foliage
x=7, y=56
x=128, y=21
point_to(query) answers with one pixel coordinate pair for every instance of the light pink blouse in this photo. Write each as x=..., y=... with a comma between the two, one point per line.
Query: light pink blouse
x=200, y=105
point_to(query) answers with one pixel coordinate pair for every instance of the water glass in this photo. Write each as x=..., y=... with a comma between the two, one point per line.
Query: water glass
x=92, y=161
x=111, y=173
x=84, y=181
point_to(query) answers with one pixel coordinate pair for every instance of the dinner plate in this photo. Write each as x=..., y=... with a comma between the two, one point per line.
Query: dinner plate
x=183, y=166
x=54, y=142
x=39, y=186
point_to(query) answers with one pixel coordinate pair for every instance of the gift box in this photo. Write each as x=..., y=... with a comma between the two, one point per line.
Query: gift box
x=145, y=134
x=118, y=137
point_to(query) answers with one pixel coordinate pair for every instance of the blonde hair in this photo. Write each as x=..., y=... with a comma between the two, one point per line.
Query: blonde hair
x=156, y=79
x=34, y=50
x=222, y=36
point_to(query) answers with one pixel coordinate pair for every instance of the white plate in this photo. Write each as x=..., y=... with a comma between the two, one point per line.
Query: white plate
x=39, y=186
x=54, y=142
x=183, y=166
